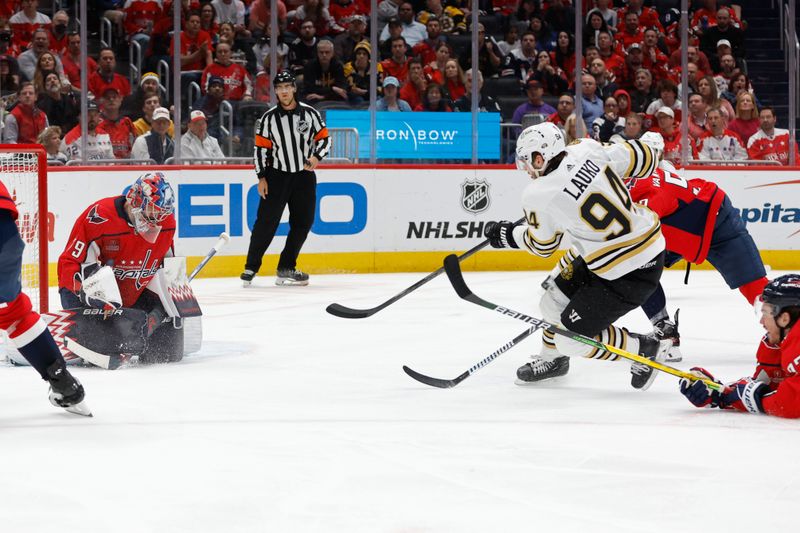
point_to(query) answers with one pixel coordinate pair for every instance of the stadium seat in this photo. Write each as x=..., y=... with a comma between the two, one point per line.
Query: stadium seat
x=496, y=87
x=531, y=119
x=508, y=104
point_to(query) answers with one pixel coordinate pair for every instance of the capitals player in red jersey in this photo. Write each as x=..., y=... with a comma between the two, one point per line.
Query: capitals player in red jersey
x=115, y=250
x=774, y=388
x=699, y=224
x=25, y=327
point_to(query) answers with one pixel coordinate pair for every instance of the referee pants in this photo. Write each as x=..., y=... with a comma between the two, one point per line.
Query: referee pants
x=298, y=190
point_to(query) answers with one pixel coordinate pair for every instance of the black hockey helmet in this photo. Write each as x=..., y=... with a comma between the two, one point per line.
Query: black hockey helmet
x=782, y=292
x=283, y=76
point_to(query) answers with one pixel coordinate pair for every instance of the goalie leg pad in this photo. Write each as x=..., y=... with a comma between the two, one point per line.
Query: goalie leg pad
x=165, y=345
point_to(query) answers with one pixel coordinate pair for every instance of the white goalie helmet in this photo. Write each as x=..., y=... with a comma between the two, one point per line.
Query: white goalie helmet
x=546, y=139
x=654, y=140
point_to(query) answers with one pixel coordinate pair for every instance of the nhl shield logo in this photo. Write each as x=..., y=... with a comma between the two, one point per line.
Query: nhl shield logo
x=475, y=195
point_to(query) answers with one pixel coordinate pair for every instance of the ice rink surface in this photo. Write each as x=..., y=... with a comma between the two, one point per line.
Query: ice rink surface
x=290, y=419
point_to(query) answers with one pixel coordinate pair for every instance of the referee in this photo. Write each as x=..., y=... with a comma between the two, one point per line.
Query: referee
x=291, y=139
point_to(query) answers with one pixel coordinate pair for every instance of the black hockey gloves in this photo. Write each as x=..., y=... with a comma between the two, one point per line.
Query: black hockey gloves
x=500, y=234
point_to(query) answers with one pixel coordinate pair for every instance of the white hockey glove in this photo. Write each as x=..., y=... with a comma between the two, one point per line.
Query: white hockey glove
x=99, y=288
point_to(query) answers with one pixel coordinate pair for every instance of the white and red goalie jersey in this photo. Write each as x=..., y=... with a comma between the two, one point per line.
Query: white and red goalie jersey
x=102, y=234
x=773, y=147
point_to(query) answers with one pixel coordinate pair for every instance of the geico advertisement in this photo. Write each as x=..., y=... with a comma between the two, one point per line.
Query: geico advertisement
x=366, y=210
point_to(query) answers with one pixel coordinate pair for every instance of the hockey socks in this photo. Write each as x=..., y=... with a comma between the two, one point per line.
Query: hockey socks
x=29, y=333
x=41, y=352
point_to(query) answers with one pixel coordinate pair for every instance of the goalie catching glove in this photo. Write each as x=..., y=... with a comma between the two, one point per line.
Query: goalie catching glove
x=99, y=288
x=743, y=395
x=500, y=234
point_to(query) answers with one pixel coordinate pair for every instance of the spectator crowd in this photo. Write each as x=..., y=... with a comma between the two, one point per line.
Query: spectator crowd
x=630, y=80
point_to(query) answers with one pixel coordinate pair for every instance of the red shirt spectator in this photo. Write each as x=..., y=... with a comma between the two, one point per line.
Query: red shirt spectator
x=770, y=143
x=397, y=65
x=25, y=122
x=648, y=17
x=71, y=60
x=23, y=23
x=260, y=16
x=195, y=45
x=105, y=77
x=119, y=128
x=141, y=16
x=705, y=17
x=630, y=32
x=342, y=10
x=238, y=83
x=58, y=32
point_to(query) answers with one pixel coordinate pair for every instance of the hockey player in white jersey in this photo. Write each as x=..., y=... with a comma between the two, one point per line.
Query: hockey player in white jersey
x=577, y=190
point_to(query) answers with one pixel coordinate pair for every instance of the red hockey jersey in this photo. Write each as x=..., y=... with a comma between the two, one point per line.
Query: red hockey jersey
x=7, y=202
x=687, y=209
x=103, y=234
x=780, y=364
x=238, y=82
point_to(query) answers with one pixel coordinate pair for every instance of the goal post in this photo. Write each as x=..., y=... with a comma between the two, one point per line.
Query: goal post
x=23, y=170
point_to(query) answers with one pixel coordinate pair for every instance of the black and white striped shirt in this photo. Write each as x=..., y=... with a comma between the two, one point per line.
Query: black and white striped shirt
x=285, y=140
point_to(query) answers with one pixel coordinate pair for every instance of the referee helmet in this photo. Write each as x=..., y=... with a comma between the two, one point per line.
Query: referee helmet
x=283, y=76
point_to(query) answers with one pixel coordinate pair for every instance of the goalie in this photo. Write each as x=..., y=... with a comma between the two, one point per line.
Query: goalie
x=115, y=276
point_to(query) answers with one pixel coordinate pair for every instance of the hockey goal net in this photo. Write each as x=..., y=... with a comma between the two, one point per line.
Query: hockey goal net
x=23, y=170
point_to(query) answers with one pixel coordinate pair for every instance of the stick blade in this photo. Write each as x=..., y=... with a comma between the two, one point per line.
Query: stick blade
x=343, y=311
x=427, y=380
x=452, y=268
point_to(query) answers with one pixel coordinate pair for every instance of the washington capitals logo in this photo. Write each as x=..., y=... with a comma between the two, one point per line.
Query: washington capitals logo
x=141, y=273
x=94, y=218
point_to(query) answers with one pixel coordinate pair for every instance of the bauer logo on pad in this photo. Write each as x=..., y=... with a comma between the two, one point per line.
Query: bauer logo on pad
x=475, y=196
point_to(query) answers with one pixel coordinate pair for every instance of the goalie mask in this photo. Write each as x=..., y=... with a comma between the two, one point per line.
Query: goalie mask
x=545, y=139
x=151, y=200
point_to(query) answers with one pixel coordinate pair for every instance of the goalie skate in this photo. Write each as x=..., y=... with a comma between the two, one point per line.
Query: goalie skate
x=291, y=277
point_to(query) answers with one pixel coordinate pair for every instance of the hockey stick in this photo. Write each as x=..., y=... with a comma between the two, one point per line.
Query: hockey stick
x=450, y=383
x=109, y=362
x=222, y=241
x=456, y=277
x=343, y=311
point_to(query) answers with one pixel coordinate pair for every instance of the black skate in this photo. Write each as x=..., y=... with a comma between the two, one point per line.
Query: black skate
x=247, y=277
x=665, y=329
x=65, y=390
x=291, y=276
x=642, y=376
x=540, y=369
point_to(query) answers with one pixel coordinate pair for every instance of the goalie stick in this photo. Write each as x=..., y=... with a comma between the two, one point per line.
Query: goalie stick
x=222, y=241
x=456, y=277
x=342, y=311
x=450, y=383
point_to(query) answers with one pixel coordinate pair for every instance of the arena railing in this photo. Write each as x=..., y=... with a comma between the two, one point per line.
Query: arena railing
x=106, y=33
x=344, y=145
x=733, y=163
x=135, y=62
x=95, y=162
x=212, y=160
